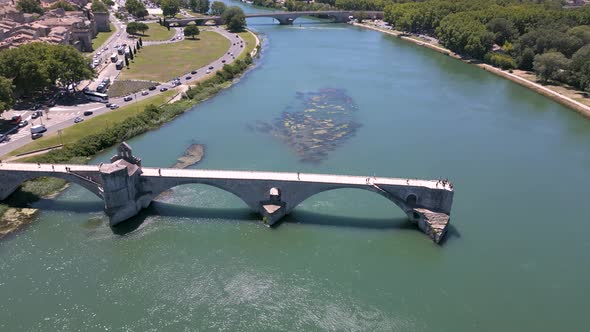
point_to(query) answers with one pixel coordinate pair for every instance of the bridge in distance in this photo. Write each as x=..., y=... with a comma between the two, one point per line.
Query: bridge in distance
x=284, y=18
x=126, y=187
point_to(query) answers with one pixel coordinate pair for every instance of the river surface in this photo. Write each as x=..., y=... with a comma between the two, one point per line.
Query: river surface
x=515, y=259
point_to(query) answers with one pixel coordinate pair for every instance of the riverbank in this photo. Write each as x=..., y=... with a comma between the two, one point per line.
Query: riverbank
x=17, y=213
x=521, y=80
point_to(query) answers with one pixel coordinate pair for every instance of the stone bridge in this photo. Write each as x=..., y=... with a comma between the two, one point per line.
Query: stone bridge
x=126, y=187
x=284, y=18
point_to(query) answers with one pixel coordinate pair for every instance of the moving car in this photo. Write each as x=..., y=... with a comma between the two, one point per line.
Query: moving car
x=152, y=88
x=88, y=113
x=2, y=137
x=210, y=67
x=144, y=93
x=189, y=77
x=16, y=119
x=128, y=98
x=222, y=61
x=78, y=120
x=36, y=115
x=23, y=123
x=208, y=71
x=38, y=129
x=163, y=89
x=193, y=72
x=36, y=135
x=114, y=106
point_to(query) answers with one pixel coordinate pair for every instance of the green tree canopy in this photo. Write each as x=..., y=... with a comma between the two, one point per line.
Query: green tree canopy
x=191, y=30
x=136, y=8
x=502, y=29
x=29, y=6
x=36, y=66
x=6, y=97
x=170, y=7
x=549, y=66
x=582, y=32
x=235, y=18
x=218, y=8
x=135, y=27
x=64, y=5
x=99, y=6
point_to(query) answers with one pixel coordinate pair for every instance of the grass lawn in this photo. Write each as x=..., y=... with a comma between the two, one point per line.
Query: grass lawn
x=122, y=88
x=163, y=62
x=250, y=41
x=102, y=37
x=156, y=32
x=95, y=124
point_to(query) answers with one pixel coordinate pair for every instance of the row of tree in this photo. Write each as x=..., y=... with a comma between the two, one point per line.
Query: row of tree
x=536, y=35
x=36, y=67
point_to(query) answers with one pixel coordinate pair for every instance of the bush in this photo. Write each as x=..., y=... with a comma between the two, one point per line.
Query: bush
x=500, y=60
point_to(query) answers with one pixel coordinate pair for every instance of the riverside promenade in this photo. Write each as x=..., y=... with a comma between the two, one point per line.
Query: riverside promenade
x=126, y=187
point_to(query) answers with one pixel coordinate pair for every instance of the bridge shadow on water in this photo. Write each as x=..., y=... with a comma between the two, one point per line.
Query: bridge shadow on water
x=158, y=208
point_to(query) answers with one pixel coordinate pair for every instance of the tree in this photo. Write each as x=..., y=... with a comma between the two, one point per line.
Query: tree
x=140, y=42
x=68, y=7
x=170, y=7
x=525, y=61
x=218, y=8
x=109, y=2
x=6, y=97
x=99, y=6
x=548, y=66
x=582, y=32
x=130, y=53
x=29, y=6
x=204, y=6
x=194, y=5
x=191, y=30
x=134, y=27
x=502, y=29
x=36, y=66
x=580, y=68
x=234, y=18
x=137, y=46
x=136, y=8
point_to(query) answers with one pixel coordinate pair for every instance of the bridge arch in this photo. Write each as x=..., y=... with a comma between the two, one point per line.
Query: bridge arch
x=11, y=183
x=391, y=197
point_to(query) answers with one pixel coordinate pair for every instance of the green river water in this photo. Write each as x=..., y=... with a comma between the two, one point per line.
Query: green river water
x=516, y=258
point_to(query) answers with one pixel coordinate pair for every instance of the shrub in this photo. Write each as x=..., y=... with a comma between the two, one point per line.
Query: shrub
x=500, y=60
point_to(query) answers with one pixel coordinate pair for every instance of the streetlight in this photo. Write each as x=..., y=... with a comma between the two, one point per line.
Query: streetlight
x=60, y=138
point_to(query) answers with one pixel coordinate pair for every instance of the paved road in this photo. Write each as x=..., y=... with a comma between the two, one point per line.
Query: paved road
x=61, y=117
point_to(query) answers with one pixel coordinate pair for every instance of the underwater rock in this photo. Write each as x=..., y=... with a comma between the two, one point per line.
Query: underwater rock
x=324, y=120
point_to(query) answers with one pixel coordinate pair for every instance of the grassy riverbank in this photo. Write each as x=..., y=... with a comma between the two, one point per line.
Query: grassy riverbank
x=102, y=37
x=81, y=145
x=156, y=32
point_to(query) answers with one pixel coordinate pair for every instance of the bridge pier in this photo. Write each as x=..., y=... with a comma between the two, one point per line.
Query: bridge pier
x=122, y=188
x=273, y=209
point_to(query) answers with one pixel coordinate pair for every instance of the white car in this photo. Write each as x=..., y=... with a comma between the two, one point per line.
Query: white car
x=144, y=93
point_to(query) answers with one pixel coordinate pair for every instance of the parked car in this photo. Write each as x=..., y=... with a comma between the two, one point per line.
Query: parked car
x=35, y=115
x=163, y=89
x=88, y=113
x=36, y=135
x=78, y=120
x=108, y=105
x=208, y=71
x=16, y=119
x=114, y=106
x=152, y=88
x=144, y=93
x=2, y=137
x=128, y=98
x=23, y=123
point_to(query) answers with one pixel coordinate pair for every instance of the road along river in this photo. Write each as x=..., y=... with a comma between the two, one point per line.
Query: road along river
x=331, y=98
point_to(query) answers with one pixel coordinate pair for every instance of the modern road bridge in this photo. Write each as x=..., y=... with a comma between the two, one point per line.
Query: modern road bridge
x=126, y=187
x=284, y=18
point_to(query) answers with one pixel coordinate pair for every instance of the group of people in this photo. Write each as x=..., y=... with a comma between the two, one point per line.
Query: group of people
x=444, y=183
